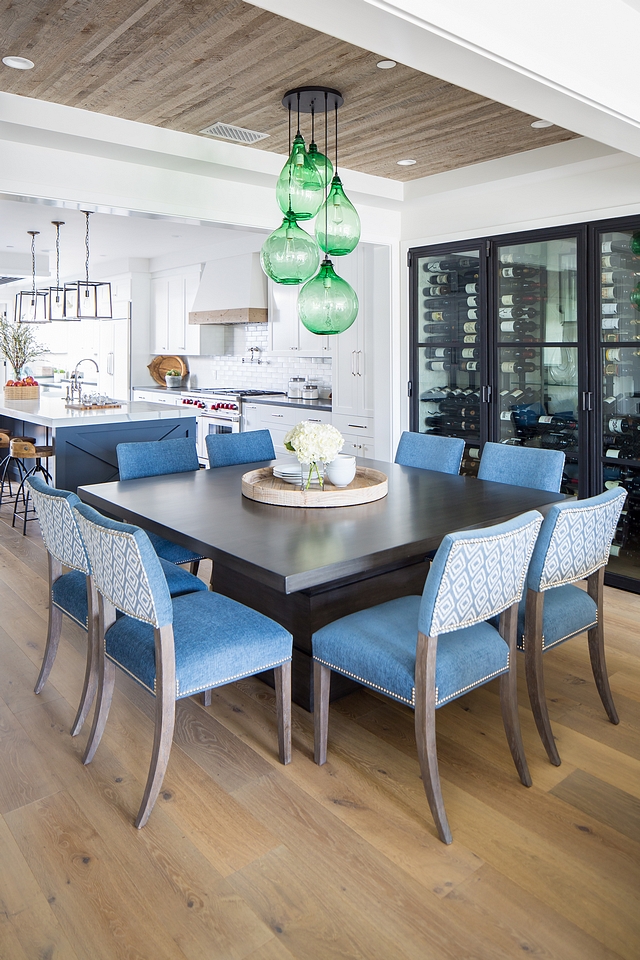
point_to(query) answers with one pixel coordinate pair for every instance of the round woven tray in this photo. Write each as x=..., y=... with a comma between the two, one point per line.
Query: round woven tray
x=367, y=485
x=160, y=365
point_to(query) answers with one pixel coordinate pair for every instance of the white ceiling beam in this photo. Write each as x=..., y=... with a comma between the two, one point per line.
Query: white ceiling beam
x=571, y=62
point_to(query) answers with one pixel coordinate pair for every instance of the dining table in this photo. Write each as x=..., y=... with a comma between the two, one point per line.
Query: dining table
x=307, y=566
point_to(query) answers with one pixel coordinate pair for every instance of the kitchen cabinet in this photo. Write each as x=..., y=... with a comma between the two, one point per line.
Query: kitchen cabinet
x=113, y=358
x=279, y=420
x=172, y=298
x=287, y=336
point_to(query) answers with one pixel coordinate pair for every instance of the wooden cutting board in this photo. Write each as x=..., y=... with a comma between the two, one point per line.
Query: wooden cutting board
x=160, y=366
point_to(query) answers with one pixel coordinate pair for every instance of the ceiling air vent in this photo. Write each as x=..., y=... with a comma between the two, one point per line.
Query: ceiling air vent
x=9, y=279
x=226, y=131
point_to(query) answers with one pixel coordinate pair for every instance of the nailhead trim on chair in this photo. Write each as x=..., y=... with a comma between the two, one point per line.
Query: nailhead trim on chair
x=412, y=702
x=547, y=646
x=186, y=693
x=85, y=625
x=584, y=576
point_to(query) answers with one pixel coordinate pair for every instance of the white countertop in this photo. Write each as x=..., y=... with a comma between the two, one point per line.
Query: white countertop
x=50, y=411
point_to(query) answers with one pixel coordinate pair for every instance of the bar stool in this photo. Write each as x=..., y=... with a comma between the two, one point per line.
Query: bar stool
x=26, y=449
x=7, y=460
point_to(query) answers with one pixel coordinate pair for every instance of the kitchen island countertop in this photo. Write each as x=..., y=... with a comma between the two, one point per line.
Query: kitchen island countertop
x=49, y=411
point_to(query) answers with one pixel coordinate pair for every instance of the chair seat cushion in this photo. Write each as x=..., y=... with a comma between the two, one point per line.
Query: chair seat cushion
x=567, y=611
x=69, y=592
x=217, y=640
x=172, y=552
x=377, y=647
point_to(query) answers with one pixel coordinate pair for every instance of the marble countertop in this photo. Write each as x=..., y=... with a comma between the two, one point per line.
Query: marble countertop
x=50, y=411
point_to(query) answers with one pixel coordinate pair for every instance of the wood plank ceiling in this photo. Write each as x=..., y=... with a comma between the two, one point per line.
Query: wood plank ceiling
x=183, y=64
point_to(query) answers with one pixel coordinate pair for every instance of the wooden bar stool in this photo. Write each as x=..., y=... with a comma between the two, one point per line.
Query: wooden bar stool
x=7, y=460
x=25, y=449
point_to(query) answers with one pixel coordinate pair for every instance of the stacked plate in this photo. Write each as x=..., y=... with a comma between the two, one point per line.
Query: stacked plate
x=289, y=472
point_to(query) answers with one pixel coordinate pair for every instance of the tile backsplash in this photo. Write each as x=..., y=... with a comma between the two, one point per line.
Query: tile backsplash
x=265, y=372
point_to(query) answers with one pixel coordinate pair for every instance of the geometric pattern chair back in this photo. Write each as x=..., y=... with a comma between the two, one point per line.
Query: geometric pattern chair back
x=477, y=574
x=58, y=524
x=125, y=567
x=229, y=449
x=155, y=458
x=575, y=539
x=430, y=452
x=522, y=466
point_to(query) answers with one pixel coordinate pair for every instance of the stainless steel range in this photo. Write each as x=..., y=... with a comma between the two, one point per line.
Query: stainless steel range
x=218, y=410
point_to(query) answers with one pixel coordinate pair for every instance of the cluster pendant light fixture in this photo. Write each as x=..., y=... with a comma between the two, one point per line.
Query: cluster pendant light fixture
x=87, y=298
x=308, y=187
x=31, y=305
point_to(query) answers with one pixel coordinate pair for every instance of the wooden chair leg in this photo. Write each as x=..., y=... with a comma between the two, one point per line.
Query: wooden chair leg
x=164, y=723
x=595, y=586
x=425, y=721
x=509, y=696
x=321, y=687
x=535, y=675
x=90, y=684
x=54, y=626
x=106, y=681
x=282, y=676
x=194, y=566
x=206, y=698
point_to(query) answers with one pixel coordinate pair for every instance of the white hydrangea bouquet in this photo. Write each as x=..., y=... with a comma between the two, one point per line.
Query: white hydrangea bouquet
x=314, y=444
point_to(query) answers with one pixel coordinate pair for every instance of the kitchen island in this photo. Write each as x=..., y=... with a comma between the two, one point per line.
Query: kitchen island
x=85, y=440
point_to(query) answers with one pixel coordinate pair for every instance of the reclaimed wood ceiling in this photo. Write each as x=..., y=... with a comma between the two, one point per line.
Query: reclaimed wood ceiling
x=183, y=64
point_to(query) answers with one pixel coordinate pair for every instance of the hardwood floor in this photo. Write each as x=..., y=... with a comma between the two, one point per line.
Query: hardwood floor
x=245, y=858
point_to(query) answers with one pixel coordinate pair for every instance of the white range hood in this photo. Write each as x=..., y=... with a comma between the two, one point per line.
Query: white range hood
x=232, y=290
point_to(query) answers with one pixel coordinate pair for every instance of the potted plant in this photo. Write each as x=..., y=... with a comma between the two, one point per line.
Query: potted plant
x=18, y=345
x=173, y=378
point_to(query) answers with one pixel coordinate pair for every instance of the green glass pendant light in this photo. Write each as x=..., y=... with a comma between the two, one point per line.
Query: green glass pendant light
x=327, y=304
x=635, y=244
x=338, y=223
x=299, y=188
x=289, y=255
x=322, y=163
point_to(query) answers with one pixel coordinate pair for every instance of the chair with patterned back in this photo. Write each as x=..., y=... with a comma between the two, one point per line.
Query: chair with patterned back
x=573, y=545
x=228, y=449
x=426, y=651
x=522, y=466
x=157, y=458
x=430, y=452
x=72, y=593
x=173, y=648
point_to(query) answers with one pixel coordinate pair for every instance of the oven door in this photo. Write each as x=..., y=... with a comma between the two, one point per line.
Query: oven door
x=209, y=423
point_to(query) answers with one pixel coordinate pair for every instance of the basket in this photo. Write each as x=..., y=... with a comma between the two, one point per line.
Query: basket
x=21, y=393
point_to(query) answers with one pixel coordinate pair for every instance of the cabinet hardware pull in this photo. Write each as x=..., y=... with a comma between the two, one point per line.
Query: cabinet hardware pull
x=353, y=363
x=313, y=420
x=359, y=372
x=358, y=426
x=279, y=415
x=587, y=398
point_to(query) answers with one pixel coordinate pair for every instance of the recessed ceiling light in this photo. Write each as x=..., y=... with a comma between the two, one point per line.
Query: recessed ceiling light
x=541, y=124
x=18, y=63
x=386, y=64
x=406, y=163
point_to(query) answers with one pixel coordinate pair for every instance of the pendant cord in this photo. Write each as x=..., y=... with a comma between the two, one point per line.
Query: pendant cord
x=289, y=127
x=313, y=123
x=33, y=265
x=57, y=256
x=87, y=214
x=326, y=171
x=336, y=109
x=298, y=133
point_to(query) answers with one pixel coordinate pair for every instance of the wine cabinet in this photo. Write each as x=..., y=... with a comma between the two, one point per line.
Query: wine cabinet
x=534, y=339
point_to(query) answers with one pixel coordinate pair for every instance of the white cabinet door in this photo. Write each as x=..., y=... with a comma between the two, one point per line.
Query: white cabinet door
x=113, y=378
x=160, y=315
x=176, y=315
x=287, y=336
x=353, y=390
x=251, y=417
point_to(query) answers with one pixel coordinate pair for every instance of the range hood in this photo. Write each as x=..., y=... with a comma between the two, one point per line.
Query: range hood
x=232, y=290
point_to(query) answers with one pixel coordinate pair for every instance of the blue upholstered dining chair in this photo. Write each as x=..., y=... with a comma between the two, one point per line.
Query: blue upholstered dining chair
x=72, y=593
x=426, y=651
x=573, y=545
x=173, y=648
x=228, y=449
x=430, y=452
x=155, y=458
x=522, y=466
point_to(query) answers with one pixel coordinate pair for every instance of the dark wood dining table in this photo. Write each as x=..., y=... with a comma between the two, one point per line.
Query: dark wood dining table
x=305, y=567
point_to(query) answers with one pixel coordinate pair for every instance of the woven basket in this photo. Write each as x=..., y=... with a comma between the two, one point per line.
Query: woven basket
x=21, y=393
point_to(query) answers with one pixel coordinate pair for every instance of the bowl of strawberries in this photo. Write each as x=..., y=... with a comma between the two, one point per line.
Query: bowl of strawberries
x=25, y=389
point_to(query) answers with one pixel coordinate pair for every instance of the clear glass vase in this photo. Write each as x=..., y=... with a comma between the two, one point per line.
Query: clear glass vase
x=312, y=475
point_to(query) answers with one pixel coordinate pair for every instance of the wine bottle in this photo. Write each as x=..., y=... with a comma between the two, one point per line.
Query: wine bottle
x=469, y=413
x=470, y=327
x=516, y=313
x=470, y=426
x=470, y=276
x=618, y=369
x=438, y=365
x=436, y=329
x=619, y=245
x=471, y=288
x=522, y=286
x=518, y=272
x=623, y=425
x=435, y=316
x=472, y=301
x=521, y=353
x=470, y=365
x=620, y=353
x=470, y=353
x=436, y=278
x=609, y=277
x=470, y=338
x=472, y=314
x=617, y=310
x=549, y=422
x=518, y=299
x=440, y=266
x=517, y=326
x=616, y=261
x=517, y=366
x=617, y=291
x=506, y=415
x=442, y=290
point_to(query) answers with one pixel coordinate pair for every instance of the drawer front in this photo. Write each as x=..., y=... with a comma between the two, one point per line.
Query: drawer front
x=359, y=426
x=289, y=416
x=359, y=446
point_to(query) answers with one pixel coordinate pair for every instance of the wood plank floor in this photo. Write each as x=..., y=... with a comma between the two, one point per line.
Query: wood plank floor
x=243, y=858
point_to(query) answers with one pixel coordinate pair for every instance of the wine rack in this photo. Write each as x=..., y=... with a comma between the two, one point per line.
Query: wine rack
x=450, y=348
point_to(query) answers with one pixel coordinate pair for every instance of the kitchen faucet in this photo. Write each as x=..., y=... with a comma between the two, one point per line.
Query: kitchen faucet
x=75, y=384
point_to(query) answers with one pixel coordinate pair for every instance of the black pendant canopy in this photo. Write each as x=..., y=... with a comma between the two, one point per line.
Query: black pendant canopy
x=312, y=99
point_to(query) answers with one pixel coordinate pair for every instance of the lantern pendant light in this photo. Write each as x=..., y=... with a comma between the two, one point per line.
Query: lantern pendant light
x=87, y=298
x=31, y=305
x=56, y=294
x=289, y=255
x=338, y=223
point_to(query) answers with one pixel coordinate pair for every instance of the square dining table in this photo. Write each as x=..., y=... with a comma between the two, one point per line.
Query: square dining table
x=305, y=566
